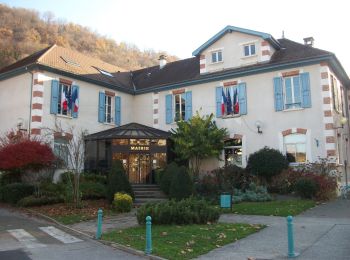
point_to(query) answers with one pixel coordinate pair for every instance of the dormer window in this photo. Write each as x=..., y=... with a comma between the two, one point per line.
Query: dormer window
x=216, y=56
x=249, y=50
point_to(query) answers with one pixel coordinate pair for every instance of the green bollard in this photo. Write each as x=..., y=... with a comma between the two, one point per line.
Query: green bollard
x=291, y=253
x=99, y=224
x=148, y=235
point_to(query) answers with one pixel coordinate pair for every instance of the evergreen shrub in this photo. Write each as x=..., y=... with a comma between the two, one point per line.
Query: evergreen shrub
x=118, y=181
x=122, y=202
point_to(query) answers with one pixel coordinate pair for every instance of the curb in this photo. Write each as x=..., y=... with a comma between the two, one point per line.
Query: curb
x=105, y=242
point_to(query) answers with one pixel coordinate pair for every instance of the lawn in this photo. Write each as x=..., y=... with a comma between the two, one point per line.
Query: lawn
x=272, y=208
x=67, y=214
x=182, y=242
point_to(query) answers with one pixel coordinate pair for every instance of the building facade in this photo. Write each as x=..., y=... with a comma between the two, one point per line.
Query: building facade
x=266, y=92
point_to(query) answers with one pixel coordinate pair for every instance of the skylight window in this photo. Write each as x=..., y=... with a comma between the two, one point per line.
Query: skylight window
x=106, y=73
x=70, y=62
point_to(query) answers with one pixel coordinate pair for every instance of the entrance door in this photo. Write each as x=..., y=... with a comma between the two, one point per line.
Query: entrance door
x=139, y=168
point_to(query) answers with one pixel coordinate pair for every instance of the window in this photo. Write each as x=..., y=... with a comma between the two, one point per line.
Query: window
x=216, y=56
x=108, y=109
x=64, y=100
x=61, y=149
x=70, y=62
x=249, y=50
x=292, y=92
x=233, y=151
x=106, y=73
x=295, y=147
x=230, y=104
x=336, y=96
x=180, y=107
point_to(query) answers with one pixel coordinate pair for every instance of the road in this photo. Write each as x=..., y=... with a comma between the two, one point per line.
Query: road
x=24, y=237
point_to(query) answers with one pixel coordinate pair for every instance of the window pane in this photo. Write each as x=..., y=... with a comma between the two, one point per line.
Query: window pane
x=296, y=90
x=246, y=50
x=288, y=88
x=219, y=56
x=120, y=142
x=295, y=138
x=213, y=57
x=291, y=152
x=252, y=49
x=183, y=106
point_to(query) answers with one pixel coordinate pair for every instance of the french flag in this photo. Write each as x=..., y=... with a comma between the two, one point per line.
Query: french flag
x=223, y=102
x=75, y=100
x=64, y=101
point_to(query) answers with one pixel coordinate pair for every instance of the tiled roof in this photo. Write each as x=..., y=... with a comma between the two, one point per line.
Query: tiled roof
x=154, y=78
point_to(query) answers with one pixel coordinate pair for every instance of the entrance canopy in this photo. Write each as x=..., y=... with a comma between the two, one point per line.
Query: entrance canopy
x=142, y=149
x=132, y=130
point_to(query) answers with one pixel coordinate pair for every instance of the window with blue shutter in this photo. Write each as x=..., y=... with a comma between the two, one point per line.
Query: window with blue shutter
x=54, y=96
x=188, y=109
x=218, y=101
x=117, y=111
x=292, y=92
x=169, y=108
x=242, y=98
x=101, y=107
x=278, y=93
x=305, y=90
x=75, y=101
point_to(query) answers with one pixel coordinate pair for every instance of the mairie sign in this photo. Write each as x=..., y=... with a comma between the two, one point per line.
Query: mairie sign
x=139, y=148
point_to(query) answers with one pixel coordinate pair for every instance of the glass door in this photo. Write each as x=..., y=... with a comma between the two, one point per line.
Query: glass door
x=139, y=168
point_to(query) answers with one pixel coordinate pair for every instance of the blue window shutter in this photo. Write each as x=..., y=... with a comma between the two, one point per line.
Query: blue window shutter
x=278, y=92
x=305, y=90
x=54, y=97
x=242, y=98
x=218, y=101
x=117, y=119
x=296, y=90
x=101, y=107
x=188, y=113
x=75, y=101
x=169, y=108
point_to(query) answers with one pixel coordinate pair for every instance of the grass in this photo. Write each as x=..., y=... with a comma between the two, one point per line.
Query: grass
x=272, y=208
x=182, y=242
x=74, y=218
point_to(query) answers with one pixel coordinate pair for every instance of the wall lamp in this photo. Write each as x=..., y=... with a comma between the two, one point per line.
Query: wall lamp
x=258, y=125
x=342, y=121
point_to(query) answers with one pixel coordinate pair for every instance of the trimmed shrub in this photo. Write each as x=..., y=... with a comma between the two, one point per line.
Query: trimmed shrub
x=307, y=188
x=122, y=202
x=187, y=211
x=181, y=186
x=91, y=190
x=285, y=182
x=117, y=181
x=51, y=189
x=31, y=201
x=12, y=193
x=90, y=177
x=167, y=176
x=254, y=194
x=208, y=186
x=266, y=163
x=66, y=177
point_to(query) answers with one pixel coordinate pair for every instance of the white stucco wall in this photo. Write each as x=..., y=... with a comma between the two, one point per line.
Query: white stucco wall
x=15, y=95
x=232, y=48
x=260, y=106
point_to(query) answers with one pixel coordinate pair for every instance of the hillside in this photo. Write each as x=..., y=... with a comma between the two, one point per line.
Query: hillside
x=23, y=32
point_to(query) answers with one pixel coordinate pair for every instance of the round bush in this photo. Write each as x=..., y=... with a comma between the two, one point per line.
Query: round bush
x=12, y=193
x=122, y=202
x=306, y=188
x=31, y=201
x=266, y=163
x=91, y=190
x=181, y=186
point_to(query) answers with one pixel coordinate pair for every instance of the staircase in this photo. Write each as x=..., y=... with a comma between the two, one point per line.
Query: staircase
x=147, y=193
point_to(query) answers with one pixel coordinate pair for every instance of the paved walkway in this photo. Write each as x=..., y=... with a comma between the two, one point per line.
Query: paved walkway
x=321, y=233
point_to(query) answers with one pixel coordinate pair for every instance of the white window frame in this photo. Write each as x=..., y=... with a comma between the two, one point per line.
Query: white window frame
x=216, y=53
x=108, y=114
x=295, y=144
x=232, y=148
x=336, y=93
x=294, y=105
x=182, y=112
x=249, y=45
x=59, y=103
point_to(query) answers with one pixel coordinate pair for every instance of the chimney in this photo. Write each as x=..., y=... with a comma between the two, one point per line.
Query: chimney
x=309, y=41
x=162, y=61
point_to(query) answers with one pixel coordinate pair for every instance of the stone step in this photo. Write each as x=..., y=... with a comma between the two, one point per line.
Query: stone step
x=140, y=201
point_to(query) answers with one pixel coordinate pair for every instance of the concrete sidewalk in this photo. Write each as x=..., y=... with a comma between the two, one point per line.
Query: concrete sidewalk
x=321, y=233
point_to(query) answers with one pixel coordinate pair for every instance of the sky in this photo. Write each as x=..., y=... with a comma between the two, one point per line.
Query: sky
x=179, y=27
